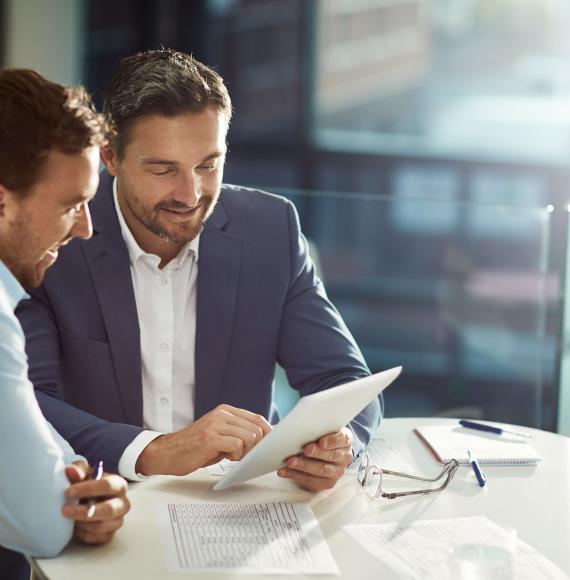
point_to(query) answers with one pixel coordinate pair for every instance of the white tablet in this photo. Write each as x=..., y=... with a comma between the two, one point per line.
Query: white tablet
x=313, y=417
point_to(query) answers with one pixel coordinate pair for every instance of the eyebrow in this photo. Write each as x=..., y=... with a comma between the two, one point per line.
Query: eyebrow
x=76, y=200
x=158, y=161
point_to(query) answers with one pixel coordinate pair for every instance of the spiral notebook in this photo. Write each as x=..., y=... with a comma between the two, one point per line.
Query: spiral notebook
x=451, y=441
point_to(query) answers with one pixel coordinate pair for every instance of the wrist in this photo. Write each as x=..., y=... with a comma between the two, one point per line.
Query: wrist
x=151, y=460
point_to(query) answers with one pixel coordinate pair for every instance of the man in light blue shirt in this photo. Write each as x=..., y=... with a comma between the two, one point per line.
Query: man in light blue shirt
x=49, y=155
x=31, y=449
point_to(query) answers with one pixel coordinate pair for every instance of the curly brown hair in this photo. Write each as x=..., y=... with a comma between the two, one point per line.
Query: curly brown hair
x=36, y=116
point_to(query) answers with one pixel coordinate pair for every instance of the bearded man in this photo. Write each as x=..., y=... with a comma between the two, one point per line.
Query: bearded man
x=161, y=359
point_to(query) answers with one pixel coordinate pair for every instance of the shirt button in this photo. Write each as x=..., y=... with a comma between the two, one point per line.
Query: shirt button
x=164, y=401
x=163, y=347
x=163, y=281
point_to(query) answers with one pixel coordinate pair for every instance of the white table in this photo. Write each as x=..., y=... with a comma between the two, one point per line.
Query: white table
x=534, y=500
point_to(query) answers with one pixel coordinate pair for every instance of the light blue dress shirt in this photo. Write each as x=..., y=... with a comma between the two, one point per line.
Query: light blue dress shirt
x=32, y=454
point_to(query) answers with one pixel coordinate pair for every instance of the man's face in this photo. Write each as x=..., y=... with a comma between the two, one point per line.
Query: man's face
x=32, y=228
x=169, y=176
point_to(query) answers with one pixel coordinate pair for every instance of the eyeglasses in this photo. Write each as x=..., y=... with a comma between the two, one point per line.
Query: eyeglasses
x=371, y=478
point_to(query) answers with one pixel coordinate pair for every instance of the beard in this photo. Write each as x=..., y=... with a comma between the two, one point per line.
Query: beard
x=28, y=275
x=153, y=219
x=18, y=255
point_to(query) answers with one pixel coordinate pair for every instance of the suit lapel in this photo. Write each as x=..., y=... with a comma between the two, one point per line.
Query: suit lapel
x=218, y=272
x=108, y=261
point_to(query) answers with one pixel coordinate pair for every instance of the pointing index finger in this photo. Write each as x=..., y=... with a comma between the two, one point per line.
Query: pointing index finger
x=259, y=420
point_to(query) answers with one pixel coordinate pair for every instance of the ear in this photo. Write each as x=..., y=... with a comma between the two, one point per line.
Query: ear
x=4, y=200
x=109, y=158
x=10, y=204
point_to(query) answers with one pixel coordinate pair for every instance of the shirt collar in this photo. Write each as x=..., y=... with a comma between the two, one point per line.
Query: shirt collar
x=12, y=287
x=136, y=252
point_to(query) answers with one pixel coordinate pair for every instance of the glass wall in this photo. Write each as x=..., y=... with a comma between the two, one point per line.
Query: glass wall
x=437, y=134
x=453, y=78
x=454, y=113
x=458, y=293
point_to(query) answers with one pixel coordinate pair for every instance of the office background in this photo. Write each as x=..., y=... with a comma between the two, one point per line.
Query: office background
x=426, y=145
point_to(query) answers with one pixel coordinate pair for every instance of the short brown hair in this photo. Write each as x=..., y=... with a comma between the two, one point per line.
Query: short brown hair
x=36, y=116
x=160, y=82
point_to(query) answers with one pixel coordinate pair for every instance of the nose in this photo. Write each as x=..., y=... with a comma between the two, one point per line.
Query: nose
x=188, y=190
x=82, y=228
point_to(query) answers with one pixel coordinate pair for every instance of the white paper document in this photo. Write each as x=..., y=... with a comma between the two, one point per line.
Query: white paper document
x=260, y=538
x=423, y=549
x=380, y=453
x=383, y=455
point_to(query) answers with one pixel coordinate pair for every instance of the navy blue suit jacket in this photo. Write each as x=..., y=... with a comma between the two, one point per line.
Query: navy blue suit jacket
x=259, y=303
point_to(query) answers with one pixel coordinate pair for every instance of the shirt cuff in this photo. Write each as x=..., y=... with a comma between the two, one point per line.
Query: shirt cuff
x=357, y=447
x=128, y=460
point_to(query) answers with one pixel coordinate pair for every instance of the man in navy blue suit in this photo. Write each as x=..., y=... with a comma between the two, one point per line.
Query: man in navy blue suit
x=153, y=345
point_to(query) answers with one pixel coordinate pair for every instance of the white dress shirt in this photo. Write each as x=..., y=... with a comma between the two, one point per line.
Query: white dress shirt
x=166, y=308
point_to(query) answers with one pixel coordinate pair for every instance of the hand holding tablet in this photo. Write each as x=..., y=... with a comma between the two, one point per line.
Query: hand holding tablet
x=313, y=417
x=322, y=463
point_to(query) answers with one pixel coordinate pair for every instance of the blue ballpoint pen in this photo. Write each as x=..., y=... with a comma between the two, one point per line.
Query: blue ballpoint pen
x=481, y=477
x=96, y=475
x=490, y=428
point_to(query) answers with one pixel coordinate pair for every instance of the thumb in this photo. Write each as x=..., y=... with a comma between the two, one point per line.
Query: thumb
x=77, y=471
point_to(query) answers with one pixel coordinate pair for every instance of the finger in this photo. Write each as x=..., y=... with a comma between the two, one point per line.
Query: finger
x=104, y=510
x=341, y=456
x=88, y=537
x=248, y=438
x=109, y=485
x=258, y=420
x=305, y=480
x=230, y=447
x=254, y=432
x=77, y=471
x=338, y=440
x=315, y=467
x=103, y=527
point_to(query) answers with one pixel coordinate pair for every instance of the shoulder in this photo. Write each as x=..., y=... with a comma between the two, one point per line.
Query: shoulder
x=247, y=209
x=265, y=221
x=12, y=342
x=9, y=324
x=238, y=198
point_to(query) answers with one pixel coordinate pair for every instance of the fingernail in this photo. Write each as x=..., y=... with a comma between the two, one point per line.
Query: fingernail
x=281, y=473
x=71, y=493
x=67, y=511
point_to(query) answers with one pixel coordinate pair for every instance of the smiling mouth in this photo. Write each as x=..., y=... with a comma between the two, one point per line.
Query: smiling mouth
x=181, y=212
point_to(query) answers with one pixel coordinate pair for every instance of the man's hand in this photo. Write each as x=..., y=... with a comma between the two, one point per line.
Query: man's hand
x=322, y=462
x=110, y=509
x=225, y=432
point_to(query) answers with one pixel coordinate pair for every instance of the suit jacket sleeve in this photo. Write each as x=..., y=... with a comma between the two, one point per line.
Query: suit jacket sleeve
x=94, y=438
x=316, y=348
